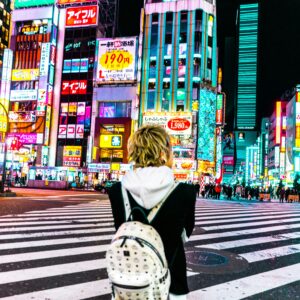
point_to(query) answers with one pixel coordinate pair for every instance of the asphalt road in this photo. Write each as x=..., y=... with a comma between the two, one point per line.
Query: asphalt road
x=53, y=247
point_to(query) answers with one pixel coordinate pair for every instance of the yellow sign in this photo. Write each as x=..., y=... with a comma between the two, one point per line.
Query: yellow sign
x=94, y=153
x=115, y=167
x=25, y=74
x=111, y=141
x=116, y=60
x=72, y=151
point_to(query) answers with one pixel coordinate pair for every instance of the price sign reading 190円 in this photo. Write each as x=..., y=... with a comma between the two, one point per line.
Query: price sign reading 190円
x=116, y=60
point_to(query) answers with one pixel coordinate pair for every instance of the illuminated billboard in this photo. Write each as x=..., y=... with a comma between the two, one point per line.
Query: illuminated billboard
x=25, y=75
x=27, y=138
x=116, y=60
x=175, y=123
x=207, y=125
x=23, y=95
x=72, y=156
x=71, y=131
x=219, y=115
x=21, y=116
x=82, y=16
x=111, y=141
x=32, y=3
x=76, y=65
x=74, y=87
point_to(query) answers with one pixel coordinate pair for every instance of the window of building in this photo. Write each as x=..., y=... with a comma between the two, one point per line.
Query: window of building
x=151, y=100
x=196, y=65
x=198, y=40
x=118, y=109
x=111, y=155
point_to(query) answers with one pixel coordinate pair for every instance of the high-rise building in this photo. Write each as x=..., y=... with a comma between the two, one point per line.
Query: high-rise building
x=4, y=27
x=292, y=163
x=247, y=66
x=33, y=44
x=246, y=82
x=179, y=79
x=80, y=25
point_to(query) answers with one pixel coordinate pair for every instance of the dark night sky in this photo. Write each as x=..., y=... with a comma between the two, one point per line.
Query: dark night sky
x=279, y=50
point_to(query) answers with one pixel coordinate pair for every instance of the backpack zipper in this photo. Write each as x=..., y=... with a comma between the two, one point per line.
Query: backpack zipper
x=141, y=242
x=130, y=287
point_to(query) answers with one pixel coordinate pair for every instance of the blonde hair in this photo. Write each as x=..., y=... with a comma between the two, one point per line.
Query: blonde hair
x=149, y=146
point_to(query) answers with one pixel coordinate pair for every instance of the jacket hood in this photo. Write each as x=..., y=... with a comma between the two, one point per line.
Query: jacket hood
x=148, y=186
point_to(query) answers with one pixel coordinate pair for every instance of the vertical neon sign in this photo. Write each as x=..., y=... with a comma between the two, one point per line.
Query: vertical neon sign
x=278, y=122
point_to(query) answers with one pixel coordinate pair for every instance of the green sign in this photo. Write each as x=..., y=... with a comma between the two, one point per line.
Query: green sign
x=219, y=101
x=31, y=3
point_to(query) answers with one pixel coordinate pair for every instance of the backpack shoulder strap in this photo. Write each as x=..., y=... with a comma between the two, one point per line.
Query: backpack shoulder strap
x=157, y=207
x=126, y=202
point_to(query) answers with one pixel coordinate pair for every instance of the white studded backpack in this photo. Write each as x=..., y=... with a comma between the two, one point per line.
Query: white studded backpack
x=136, y=262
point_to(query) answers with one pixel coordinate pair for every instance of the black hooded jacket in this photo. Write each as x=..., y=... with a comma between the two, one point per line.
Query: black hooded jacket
x=176, y=214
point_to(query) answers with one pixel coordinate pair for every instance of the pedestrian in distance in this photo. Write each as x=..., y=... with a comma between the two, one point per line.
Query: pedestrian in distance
x=197, y=188
x=148, y=187
x=281, y=195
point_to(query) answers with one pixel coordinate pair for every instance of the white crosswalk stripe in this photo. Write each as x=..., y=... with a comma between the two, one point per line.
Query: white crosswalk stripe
x=59, y=253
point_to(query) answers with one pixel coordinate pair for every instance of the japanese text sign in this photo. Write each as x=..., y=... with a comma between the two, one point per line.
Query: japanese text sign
x=74, y=87
x=174, y=123
x=116, y=60
x=82, y=16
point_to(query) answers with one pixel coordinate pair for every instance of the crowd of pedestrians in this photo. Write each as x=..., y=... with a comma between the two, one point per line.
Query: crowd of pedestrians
x=237, y=191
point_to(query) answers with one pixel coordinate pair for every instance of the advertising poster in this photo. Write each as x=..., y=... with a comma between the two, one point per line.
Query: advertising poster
x=23, y=95
x=175, y=123
x=24, y=138
x=72, y=108
x=184, y=164
x=25, y=74
x=21, y=116
x=228, y=152
x=207, y=126
x=82, y=16
x=219, y=115
x=44, y=62
x=76, y=65
x=72, y=156
x=80, y=108
x=116, y=60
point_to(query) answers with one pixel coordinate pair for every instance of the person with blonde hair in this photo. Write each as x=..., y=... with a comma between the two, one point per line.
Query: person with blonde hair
x=150, y=181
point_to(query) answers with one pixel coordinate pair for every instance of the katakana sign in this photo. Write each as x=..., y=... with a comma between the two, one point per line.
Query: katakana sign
x=82, y=16
x=74, y=87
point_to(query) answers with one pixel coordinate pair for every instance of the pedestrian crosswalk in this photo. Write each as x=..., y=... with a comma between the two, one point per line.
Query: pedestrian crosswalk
x=59, y=253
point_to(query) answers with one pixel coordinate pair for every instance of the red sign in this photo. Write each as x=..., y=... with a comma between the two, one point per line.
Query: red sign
x=180, y=176
x=82, y=16
x=74, y=87
x=219, y=117
x=179, y=124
